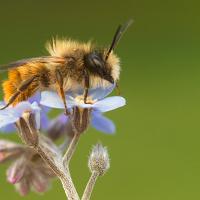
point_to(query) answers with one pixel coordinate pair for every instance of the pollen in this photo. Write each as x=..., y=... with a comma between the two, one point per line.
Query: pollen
x=80, y=100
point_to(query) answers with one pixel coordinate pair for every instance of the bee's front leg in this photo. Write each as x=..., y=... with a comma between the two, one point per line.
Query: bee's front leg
x=85, y=95
x=87, y=86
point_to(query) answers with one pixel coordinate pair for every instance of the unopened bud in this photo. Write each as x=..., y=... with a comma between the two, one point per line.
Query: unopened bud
x=28, y=128
x=81, y=118
x=16, y=171
x=9, y=150
x=58, y=127
x=99, y=161
x=40, y=182
x=23, y=187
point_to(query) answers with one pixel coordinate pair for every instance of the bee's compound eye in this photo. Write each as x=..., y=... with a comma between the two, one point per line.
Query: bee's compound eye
x=94, y=60
x=95, y=63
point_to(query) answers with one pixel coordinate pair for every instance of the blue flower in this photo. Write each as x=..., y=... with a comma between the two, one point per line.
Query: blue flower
x=10, y=127
x=10, y=115
x=96, y=100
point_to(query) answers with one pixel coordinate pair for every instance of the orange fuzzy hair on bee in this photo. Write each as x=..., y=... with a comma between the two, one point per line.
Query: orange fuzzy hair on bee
x=15, y=78
x=9, y=86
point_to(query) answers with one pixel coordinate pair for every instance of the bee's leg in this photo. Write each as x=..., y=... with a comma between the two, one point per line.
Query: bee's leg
x=85, y=95
x=61, y=93
x=118, y=89
x=23, y=86
x=87, y=86
x=11, y=100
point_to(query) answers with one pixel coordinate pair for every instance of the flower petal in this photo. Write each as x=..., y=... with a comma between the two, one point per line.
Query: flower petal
x=51, y=99
x=7, y=118
x=8, y=129
x=102, y=123
x=100, y=92
x=44, y=120
x=109, y=103
x=36, y=97
x=96, y=93
x=37, y=119
x=19, y=109
x=11, y=114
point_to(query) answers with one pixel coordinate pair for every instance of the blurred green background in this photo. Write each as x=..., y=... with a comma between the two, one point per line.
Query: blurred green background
x=155, y=152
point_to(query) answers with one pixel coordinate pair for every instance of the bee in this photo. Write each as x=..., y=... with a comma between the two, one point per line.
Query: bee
x=71, y=65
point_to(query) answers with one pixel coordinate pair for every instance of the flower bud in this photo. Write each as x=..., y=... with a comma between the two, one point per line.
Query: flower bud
x=28, y=129
x=16, y=171
x=39, y=181
x=58, y=127
x=23, y=187
x=9, y=150
x=99, y=161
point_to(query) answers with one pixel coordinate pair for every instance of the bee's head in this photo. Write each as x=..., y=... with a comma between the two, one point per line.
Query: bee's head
x=105, y=64
x=97, y=65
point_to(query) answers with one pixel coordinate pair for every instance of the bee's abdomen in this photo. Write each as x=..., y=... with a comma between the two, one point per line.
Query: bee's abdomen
x=15, y=79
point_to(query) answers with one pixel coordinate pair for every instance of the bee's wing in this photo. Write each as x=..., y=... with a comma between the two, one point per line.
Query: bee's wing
x=42, y=60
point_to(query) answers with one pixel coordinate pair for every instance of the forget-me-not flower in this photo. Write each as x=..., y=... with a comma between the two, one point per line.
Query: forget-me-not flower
x=97, y=101
x=11, y=114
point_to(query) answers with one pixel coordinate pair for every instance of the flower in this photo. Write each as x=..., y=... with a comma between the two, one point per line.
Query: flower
x=96, y=101
x=27, y=170
x=11, y=115
x=32, y=104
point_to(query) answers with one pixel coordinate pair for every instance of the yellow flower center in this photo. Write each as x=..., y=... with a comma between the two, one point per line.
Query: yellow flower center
x=80, y=100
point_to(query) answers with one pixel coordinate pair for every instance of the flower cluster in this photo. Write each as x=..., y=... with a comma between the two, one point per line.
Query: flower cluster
x=28, y=170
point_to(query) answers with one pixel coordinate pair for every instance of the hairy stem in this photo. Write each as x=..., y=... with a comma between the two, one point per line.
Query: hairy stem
x=68, y=187
x=48, y=161
x=64, y=177
x=62, y=173
x=90, y=185
x=71, y=149
x=65, y=145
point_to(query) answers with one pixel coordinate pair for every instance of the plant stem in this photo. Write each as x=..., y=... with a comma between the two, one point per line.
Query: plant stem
x=48, y=161
x=62, y=174
x=68, y=187
x=90, y=185
x=71, y=149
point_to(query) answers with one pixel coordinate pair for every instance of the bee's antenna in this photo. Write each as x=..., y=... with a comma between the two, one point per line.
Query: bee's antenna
x=118, y=34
